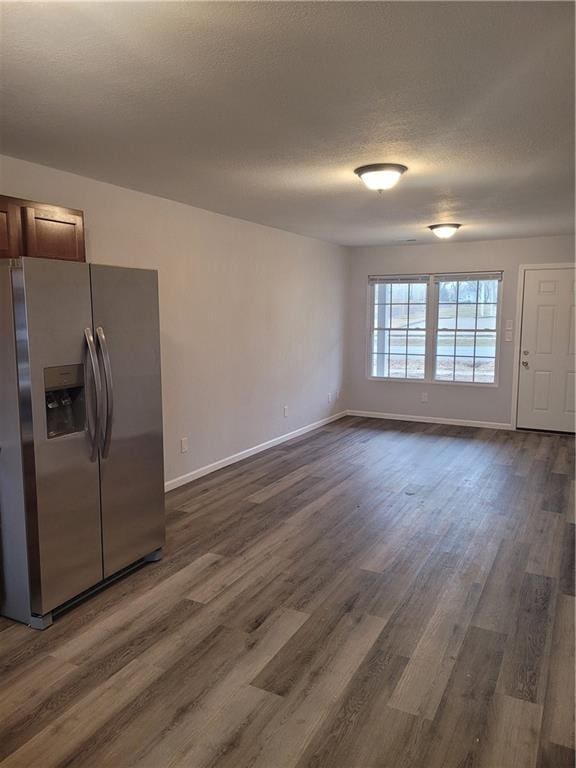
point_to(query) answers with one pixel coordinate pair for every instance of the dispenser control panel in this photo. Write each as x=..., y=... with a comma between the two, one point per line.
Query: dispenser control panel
x=65, y=402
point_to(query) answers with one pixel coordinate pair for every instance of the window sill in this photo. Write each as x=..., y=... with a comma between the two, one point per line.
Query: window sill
x=434, y=382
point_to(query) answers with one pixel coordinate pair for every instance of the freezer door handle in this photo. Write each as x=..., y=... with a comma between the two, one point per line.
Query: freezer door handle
x=107, y=431
x=93, y=410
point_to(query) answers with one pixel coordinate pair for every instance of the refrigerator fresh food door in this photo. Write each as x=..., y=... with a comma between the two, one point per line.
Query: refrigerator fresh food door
x=126, y=325
x=53, y=318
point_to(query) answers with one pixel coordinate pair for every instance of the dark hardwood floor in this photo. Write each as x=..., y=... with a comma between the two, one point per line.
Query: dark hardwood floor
x=371, y=595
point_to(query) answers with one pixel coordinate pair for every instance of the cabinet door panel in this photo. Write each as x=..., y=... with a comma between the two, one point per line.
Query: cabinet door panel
x=54, y=233
x=10, y=230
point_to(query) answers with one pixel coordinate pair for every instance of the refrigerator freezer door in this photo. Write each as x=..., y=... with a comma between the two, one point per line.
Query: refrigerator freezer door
x=55, y=307
x=125, y=311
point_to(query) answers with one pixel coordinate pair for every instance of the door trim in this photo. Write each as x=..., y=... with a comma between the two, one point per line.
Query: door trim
x=522, y=269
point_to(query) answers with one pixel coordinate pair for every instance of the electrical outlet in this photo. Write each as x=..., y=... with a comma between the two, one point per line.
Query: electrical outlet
x=329, y=397
x=285, y=411
x=424, y=397
x=508, y=336
x=184, y=445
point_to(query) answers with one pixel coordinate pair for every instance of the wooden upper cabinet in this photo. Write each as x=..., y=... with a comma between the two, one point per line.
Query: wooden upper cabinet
x=44, y=231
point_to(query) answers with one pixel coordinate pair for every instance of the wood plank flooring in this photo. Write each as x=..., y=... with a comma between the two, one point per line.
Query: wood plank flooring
x=371, y=595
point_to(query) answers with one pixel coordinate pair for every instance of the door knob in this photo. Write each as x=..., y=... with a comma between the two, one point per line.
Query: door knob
x=525, y=363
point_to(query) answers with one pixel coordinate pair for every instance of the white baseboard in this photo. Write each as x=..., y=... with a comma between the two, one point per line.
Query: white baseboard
x=170, y=485
x=431, y=420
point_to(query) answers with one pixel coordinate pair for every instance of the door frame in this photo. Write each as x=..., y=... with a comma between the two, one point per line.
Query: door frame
x=522, y=269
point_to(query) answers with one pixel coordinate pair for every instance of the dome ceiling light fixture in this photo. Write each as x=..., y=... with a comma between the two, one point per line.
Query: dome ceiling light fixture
x=380, y=176
x=444, y=231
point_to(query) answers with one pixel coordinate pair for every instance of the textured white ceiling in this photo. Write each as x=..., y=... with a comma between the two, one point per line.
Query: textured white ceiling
x=263, y=110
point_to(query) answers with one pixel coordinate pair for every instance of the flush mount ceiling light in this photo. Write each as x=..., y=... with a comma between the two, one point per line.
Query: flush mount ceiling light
x=444, y=231
x=379, y=176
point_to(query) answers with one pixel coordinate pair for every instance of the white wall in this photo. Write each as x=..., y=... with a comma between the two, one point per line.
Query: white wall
x=452, y=401
x=252, y=318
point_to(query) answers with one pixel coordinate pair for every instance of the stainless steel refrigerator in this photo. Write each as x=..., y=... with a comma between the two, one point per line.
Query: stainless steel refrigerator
x=81, y=460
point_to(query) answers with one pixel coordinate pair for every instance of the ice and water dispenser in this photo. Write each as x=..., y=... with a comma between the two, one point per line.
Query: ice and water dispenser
x=65, y=402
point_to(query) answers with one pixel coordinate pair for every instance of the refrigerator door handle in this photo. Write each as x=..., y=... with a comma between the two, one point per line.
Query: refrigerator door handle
x=107, y=436
x=93, y=421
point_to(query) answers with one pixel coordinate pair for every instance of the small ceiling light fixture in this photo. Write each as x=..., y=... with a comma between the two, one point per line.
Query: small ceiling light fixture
x=444, y=231
x=379, y=176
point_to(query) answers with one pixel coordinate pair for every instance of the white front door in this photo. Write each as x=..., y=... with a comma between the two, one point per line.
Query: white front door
x=546, y=376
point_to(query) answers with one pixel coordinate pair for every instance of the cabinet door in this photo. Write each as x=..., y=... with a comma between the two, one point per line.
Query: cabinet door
x=53, y=233
x=10, y=229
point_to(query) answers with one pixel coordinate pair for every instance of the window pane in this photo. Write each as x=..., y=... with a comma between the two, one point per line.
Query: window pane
x=399, y=293
x=382, y=293
x=464, y=369
x=467, y=291
x=445, y=344
x=485, y=345
x=466, y=316
x=447, y=316
x=398, y=342
x=418, y=293
x=487, y=291
x=484, y=370
x=399, y=316
x=417, y=315
x=465, y=344
x=486, y=316
x=416, y=343
x=380, y=343
x=415, y=366
x=397, y=366
x=444, y=368
x=379, y=365
x=382, y=316
x=448, y=291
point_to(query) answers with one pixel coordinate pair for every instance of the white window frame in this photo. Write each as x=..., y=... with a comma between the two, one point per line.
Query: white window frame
x=431, y=326
x=422, y=279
